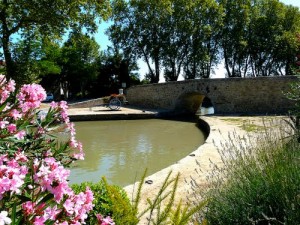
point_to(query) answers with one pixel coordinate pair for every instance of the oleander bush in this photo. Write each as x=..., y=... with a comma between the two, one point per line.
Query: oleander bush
x=34, y=186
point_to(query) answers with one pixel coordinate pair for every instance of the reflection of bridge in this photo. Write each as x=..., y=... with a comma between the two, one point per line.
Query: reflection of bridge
x=227, y=95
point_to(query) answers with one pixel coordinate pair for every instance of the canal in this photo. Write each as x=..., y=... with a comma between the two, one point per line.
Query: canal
x=121, y=150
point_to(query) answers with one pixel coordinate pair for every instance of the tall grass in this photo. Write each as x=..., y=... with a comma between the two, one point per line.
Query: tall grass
x=259, y=182
x=162, y=209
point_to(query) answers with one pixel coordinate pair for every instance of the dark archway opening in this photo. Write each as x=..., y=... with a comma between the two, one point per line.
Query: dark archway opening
x=206, y=108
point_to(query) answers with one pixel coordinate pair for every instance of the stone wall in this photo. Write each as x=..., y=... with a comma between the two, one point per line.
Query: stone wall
x=87, y=104
x=262, y=95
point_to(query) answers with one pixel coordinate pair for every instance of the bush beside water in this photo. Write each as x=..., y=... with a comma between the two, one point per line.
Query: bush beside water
x=109, y=200
x=259, y=182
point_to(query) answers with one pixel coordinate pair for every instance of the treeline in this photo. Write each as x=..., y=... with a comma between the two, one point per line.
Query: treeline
x=51, y=42
x=81, y=70
x=74, y=68
x=191, y=37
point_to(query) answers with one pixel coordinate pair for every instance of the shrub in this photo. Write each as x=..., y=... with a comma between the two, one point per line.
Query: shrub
x=109, y=200
x=258, y=184
x=33, y=179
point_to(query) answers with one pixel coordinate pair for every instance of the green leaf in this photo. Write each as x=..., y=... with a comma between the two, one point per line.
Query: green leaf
x=23, y=198
x=47, y=198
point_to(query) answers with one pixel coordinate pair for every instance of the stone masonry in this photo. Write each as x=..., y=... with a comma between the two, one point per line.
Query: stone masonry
x=260, y=95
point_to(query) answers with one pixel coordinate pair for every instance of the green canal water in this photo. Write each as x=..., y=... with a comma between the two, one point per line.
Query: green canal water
x=121, y=150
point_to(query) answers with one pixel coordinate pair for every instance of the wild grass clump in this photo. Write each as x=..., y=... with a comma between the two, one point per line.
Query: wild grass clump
x=258, y=183
x=162, y=209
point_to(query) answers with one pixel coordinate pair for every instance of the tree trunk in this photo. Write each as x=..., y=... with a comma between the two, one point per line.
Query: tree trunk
x=10, y=67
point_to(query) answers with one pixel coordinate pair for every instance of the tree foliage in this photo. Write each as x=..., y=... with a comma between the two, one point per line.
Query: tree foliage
x=259, y=37
x=138, y=30
x=273, y=50
x=47, y=18
x=253, y=38
x=80, y=55
x=205, y=22
x=115, y=70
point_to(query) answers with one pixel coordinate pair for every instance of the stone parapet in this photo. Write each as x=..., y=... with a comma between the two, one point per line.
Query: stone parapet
x=259, y=95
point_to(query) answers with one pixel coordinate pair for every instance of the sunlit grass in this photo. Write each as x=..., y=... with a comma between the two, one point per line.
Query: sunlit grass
x=258, y=182
x=248, y=125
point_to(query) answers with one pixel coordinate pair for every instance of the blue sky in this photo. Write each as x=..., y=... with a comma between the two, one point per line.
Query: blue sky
x=291, y=2
x=103, y=40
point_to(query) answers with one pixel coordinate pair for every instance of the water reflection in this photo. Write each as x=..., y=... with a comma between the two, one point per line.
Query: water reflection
x=206, y=111
x=122, y=150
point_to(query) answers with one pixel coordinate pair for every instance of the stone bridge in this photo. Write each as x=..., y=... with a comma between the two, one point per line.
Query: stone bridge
x=260, y=95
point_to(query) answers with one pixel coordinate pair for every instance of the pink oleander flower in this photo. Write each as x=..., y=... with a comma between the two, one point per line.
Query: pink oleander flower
x=39, y=220
x=30, y=97
x=15, y=114
x=78, y=156
x=51, y=213
x=52, y=176
x=21, y=157
x=12, y=176
x=104, y=221
x=4, y=95
x=63, y=108
x=47, y=175
x=53, y=104
x=6, y=88
x=12, y=128
x=78, y=206
x=28, y=208
x=20, y=135
x=71, y=127
x=3, y=124
x=11, y=86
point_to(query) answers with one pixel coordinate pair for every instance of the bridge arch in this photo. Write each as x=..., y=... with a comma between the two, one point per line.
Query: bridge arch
x=191, y=103
x=260, y=95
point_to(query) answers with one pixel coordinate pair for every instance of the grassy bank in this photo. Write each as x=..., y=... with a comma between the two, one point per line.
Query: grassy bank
x=259, y=182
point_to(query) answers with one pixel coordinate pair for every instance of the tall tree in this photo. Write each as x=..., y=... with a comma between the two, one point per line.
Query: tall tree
x=259, y=37
x=33, y=57
x=176, y=31
x=50, y=66
x=273, y=41
x=234, y=36
x=115, y=69
x=26, y=54
x=169, y=34
x=138, y=30
x=50, y=18
x=79, y=63
x=203, y=54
